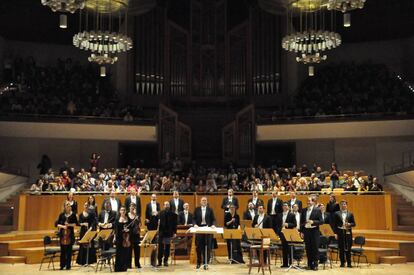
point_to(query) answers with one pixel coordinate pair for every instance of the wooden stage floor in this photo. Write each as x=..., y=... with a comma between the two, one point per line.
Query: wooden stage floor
x=184, y=268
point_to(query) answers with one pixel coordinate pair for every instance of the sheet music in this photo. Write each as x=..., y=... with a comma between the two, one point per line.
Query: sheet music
x=216, y=230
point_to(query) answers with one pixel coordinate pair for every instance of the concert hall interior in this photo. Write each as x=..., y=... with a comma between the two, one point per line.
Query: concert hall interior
x=222, y=136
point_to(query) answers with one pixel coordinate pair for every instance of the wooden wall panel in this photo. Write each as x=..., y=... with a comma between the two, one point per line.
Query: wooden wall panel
x=40, y=212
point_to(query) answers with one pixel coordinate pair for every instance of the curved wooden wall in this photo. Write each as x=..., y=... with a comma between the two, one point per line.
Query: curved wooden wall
x=40, y=212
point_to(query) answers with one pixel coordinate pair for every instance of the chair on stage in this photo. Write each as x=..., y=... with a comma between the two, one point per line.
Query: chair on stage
x=263, y=250
x=324, y=251
x=105, y=255
x=49, y=253
x=333, y=247
x=359, y=251
x=277, y=252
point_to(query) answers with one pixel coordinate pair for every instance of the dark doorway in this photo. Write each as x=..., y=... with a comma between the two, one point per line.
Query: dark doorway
x=276, y=154
x=138, y=155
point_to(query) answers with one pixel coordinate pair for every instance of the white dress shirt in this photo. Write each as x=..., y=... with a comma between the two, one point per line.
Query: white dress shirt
x=134, y=199
x=292, y=202
x=154, y=208
x=308, y=213
x=260, y=221
x=344, y=214
x=203, y=215
x=185, y=217
x=254, y=201
x=297, y=216
x=106, y=217
x=273, y=206
x=252, y=214
x=114, y=204
x=284, y=217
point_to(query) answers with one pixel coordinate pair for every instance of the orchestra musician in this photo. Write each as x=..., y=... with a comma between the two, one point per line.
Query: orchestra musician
x=106, y=221
x=176, y=203
x=135, y=230
x=203, y=217
x=70, y=199
x=229, y=200
x=274, y=207
x=293, y=200
x=122, y=240
x=261, y=220
x=133, y=198
x=255, y=199
x=65, y=223
x=232, y=221
x=185, y=217
x=151, y=213
x=114, y=201
x=87, y=221
x=344, y=221
x=310, y=220
x=250, y=213
x=286, y=219
x=166, y=231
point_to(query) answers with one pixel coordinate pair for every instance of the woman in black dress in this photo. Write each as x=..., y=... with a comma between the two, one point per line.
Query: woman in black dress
x=65, y=223
x=122, y=240
x=73, y=204
x=92, y=207
x=87, y=221
x=135, y=236
x=232, y=221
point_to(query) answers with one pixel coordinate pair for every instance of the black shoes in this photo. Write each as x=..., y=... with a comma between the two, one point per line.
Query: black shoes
x=165, y=263
x=198, y=266
x=349, y=266
x=284, y=266
x=342, y=265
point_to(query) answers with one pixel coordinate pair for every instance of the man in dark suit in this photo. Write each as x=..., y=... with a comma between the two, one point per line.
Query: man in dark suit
x=310, y=220
x=167, y=230
x=203, y=217
x=274, y=207
x=344, y=221
x=261, y=220
x=151, y=213
x=325, y=215
x=133, y=198
x=185, y=217
x=176, y=204
x=255, y=200
x=293, y=200
x=250, y=213
x=106, y=220
x=115, y=202
x=286, y=219
x=229, y=200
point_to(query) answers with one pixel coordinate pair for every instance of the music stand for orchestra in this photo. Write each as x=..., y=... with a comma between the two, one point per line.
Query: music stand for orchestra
x=292, y=236
x=147, y=241
x=232, y=234
x=326, y=230
x=86, y=240
x=104, y=234
x=205, y=230
x=245, y=223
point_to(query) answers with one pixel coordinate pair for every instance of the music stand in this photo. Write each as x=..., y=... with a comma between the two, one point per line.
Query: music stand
x=270, y=233
x=326, y=230
x=147, y=241
x=86, y=240
x=245, y=223
x=104, y=234
x=205, y=231
x=292, y=236
x=232, y=234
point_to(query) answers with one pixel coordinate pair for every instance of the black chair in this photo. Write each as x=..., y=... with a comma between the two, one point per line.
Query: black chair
x=359, y=251
x=333, y=247
x=276, y=250
x=106, y=256
x=323, y=249
x=49, y=253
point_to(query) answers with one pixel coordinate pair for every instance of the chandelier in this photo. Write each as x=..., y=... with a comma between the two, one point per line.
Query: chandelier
x=345, y=6
x=103, y=32
x=309, y=35
x=64, y=6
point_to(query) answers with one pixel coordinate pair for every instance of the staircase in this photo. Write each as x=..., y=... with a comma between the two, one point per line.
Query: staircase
x=405, y=209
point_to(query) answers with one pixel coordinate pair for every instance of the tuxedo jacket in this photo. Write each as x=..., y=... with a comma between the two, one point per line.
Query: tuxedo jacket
x=332, y=207
x=338, y=222
x=148, y=210
x=111, y=217
x=181, y=218
x=326, y=217
x=138, y=203
x=258, y=202
x=248, y=216
x=233, y=225
x=209, y=218
x=225, y=203
x=290, y=220
x=267, y=221
x=278, y=206
x=298, y=202
x=180, y=206
x=168, y=223
x=109, y=200
x=315, y=216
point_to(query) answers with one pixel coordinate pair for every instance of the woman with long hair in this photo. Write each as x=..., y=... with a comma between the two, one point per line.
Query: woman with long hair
x=87, y=221
x=122, y=240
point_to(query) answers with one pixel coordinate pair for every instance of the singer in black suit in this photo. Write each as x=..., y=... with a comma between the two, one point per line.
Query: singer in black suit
x=229, y=200
x=203, y=216
x=115, y=202
x=151, y=213
x=286, y=219
x=274, y=207
x=167, y=230
x=293, y=200
x=310, y=220
x=250, y=213
x=133, y=198
x=176, y=204
x=185, y=217
x=344, y=219
x=255, y=200
x=232, y=221
x=262, y=220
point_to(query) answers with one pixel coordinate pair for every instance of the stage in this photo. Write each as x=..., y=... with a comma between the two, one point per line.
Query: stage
x=183, y=267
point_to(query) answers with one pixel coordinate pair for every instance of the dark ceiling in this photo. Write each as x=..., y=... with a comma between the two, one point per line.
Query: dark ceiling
x=28, y=20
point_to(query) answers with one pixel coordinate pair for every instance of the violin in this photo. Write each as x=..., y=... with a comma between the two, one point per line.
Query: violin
x=65, y=240
x=126, y=242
